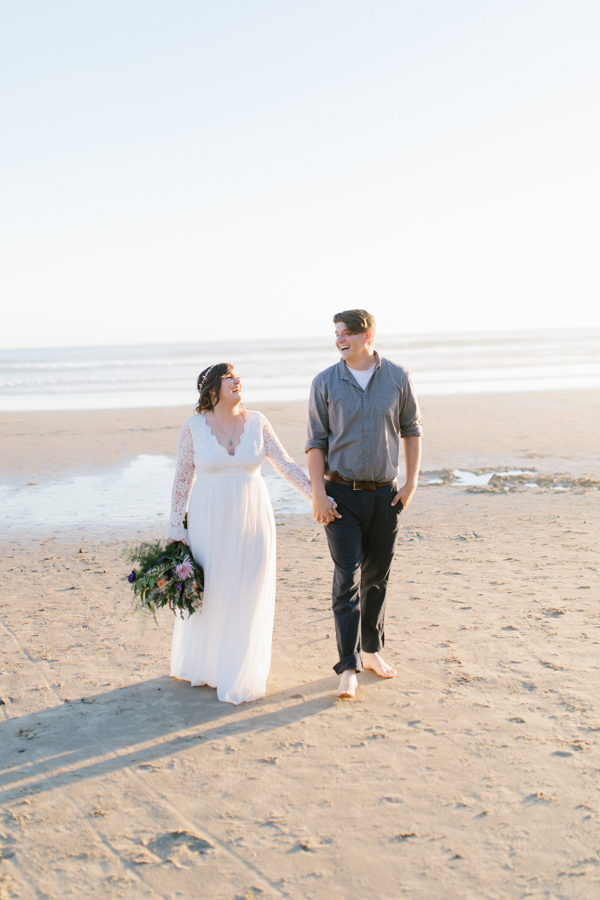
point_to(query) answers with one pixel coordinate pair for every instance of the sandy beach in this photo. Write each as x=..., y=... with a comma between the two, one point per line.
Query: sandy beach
x=473, y=774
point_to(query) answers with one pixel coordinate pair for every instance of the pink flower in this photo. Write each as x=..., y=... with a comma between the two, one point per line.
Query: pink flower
x=184, y=570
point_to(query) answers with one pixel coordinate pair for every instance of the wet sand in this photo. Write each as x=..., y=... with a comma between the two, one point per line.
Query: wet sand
x=473, y=774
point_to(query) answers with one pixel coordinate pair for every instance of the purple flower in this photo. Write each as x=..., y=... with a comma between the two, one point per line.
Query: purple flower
x=179, y=586
x=131, y=578
x=184, y=569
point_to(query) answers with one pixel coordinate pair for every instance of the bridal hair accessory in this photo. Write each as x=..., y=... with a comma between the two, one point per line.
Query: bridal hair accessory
x=205, y=376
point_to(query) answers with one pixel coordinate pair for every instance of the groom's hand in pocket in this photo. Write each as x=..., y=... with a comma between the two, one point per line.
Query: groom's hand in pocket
x=404, y=496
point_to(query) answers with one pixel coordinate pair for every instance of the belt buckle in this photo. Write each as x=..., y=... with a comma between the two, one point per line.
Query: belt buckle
x=354, y=488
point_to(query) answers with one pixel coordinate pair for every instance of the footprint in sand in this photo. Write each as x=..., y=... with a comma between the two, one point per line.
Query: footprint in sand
x=172, y=842
x=538, y=797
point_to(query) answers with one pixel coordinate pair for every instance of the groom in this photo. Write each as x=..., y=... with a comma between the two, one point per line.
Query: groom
x=358, y=411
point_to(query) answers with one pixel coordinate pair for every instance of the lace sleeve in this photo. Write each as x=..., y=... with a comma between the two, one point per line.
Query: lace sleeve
x=182, y=485
x=283, y=462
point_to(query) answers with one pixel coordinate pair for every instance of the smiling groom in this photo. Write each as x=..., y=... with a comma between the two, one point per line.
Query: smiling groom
x=359, y=410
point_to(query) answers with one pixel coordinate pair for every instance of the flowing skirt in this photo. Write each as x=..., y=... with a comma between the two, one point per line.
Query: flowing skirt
x=231, y=533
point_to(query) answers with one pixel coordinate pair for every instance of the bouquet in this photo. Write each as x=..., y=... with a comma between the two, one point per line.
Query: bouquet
x=165, y=576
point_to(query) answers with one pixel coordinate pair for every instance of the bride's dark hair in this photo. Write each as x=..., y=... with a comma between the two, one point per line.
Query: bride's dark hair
x=209, y=383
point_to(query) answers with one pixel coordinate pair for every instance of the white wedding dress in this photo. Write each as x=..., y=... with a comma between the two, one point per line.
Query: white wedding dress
x=231, y=533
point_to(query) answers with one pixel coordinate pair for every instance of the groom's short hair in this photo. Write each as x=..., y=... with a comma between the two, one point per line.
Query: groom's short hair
x=357, y=321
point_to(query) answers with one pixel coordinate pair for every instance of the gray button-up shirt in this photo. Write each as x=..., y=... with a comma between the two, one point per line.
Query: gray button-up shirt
x=360, y=430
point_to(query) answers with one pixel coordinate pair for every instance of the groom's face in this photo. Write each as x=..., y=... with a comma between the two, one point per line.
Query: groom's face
x=350, y=345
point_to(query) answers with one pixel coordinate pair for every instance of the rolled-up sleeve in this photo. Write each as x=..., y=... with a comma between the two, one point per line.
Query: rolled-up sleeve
x=410, y=414
x=318, y=418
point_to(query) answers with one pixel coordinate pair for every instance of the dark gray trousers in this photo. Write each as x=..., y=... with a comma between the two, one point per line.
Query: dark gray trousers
x=361, y=544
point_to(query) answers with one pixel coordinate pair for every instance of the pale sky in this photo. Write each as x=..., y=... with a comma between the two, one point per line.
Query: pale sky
x=197, y=169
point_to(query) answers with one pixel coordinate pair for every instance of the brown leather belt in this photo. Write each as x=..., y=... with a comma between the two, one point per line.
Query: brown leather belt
x=359, y=485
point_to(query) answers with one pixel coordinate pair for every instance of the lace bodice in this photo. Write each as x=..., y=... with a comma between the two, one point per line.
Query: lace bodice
x=200, y=454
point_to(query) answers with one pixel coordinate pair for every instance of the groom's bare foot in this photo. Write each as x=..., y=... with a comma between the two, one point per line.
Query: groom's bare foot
x=374, y=661
x=348, y=685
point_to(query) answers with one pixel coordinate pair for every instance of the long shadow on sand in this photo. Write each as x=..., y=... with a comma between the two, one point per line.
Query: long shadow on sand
x=134, y=725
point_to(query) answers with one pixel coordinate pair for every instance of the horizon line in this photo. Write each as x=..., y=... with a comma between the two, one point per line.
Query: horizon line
x=466, y=332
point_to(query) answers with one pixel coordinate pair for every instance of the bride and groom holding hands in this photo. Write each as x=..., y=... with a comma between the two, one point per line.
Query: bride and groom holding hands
x=359, y=411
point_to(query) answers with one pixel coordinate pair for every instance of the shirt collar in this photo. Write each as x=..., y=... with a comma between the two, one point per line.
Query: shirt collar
x=345, y=374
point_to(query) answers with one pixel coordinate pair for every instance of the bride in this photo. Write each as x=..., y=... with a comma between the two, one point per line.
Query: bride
x=231, y=533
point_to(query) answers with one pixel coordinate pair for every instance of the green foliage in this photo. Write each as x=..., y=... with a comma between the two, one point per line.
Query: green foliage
x=165, y=575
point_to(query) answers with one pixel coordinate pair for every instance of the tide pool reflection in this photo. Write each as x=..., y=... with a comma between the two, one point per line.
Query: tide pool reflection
x=138, y=493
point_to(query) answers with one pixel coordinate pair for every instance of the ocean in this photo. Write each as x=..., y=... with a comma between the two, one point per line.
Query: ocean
x=282, y=370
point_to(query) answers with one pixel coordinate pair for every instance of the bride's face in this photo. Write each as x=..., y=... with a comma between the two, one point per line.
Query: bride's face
x=230, y=392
